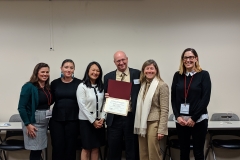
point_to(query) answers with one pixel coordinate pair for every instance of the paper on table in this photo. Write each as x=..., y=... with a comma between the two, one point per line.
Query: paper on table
x=5, y=124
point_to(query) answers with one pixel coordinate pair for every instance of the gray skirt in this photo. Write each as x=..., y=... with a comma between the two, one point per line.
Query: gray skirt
x=40, y=141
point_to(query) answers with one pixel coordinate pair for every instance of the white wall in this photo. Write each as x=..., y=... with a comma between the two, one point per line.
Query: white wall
x=144, y=29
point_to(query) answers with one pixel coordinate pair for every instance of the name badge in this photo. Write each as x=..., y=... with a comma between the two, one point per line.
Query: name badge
x=49, y=113
x=136, y=81
x=185, y=108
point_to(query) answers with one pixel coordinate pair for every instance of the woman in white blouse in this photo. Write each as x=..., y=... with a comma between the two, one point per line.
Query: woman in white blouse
x=90, y=96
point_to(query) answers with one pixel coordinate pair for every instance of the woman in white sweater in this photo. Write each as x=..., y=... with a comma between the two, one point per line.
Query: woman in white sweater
x=90, y=96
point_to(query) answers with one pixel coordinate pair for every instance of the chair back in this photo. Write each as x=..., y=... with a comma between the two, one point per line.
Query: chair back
x=14, y=118
x=224, y=117
x=171, y=117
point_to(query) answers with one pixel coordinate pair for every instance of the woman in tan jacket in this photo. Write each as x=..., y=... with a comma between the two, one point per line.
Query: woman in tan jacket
x=152, y=112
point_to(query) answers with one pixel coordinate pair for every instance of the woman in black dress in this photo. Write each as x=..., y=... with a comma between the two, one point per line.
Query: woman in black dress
x=64, y=122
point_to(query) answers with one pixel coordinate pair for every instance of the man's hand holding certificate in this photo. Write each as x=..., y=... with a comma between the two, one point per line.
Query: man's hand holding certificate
x=119, y=96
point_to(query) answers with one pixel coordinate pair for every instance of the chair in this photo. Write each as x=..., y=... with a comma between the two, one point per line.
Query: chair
x=10, y=143
x=172, y=141
x=1, y=150
x=0, y=138
x=216, y=142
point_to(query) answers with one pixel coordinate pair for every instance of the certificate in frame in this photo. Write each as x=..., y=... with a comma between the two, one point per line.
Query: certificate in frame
x=116, y=106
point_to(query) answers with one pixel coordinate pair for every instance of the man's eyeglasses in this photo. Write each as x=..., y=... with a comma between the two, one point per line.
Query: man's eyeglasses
x=121, y=60
x=189, y=57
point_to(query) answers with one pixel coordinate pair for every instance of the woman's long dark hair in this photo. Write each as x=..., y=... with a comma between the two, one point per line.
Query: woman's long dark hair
x=34, y=78
x=66, y=61
x=86, y=78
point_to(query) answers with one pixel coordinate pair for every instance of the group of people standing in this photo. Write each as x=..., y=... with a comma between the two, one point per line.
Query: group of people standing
x=78, y=110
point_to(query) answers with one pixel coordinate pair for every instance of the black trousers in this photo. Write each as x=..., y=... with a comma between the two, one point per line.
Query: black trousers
x=64, y=137
x=120, y=136
x=35, y=154
x=198, y=134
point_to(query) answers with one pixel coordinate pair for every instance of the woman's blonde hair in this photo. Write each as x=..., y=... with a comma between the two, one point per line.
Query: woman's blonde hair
x=145, y=64
x=182, y=68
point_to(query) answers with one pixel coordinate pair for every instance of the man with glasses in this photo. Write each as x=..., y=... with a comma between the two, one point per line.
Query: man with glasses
x=120, y=128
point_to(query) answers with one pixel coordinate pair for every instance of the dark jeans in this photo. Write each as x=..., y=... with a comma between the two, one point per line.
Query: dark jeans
x=64, y=137
x=122, y=129
x=198, y=133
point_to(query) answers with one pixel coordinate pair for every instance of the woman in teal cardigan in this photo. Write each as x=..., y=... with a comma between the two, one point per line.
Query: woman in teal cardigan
x=34, y=103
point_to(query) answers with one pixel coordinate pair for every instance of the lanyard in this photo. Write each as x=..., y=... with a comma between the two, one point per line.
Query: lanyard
x=186, y=90
x=49, y=98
